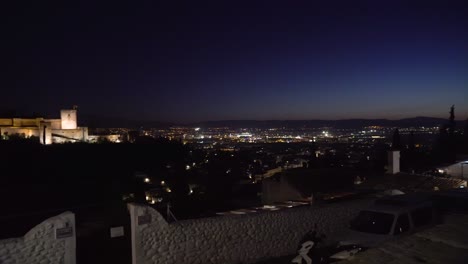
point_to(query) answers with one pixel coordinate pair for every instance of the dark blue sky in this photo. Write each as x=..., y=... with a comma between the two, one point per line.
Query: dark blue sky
x=195, y=61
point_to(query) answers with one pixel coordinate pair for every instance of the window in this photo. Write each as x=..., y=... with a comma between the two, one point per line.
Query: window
x=422, y=216
x=373, y=222
x=402, y=224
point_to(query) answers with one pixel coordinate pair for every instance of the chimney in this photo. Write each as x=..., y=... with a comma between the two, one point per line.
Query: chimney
x=393, y=162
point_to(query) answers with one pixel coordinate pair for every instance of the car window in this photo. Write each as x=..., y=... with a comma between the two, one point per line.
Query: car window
x=422, y=216
x=373, y=222
x=402, y=224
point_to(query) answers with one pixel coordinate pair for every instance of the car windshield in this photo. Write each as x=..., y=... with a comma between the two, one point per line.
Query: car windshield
x=373, y=222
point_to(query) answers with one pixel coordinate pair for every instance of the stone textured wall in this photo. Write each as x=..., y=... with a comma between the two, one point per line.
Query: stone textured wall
x=457, y=169
x=69, y=119
x=55, y=123
x=40, y=246
x=6, y=121
x=233, y=239
x=18, y=130
x=26, y=122
x=70, y=135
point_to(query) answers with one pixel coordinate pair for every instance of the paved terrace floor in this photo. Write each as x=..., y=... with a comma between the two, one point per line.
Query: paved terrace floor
x=445, y=243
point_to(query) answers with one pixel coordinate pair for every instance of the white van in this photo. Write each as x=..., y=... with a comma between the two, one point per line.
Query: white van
x=388, y=218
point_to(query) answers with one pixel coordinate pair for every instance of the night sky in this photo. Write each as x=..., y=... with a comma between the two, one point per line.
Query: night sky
x=197, y=61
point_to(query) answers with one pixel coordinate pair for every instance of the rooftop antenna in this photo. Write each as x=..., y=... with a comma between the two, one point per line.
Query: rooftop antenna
x=169, y=212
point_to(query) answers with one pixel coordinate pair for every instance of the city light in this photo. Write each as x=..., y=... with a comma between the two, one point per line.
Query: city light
x=324, y=107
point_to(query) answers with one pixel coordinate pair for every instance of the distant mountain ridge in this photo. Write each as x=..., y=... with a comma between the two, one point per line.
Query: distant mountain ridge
x=93, y=121
x=115, y=122
x=343, y=123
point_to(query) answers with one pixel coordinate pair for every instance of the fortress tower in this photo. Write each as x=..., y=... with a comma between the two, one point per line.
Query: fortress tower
x=68, y=119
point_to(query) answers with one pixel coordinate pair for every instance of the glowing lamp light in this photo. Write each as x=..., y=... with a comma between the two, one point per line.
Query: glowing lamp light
x=163, y=183
x=147, y=180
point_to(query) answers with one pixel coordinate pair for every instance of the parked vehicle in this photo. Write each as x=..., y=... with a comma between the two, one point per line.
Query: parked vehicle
x=387, y=218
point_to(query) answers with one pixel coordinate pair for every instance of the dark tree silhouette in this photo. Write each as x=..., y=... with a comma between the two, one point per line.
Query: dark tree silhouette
x=445, y=149
x=465, y=131
x=452, y=141
x=411, y=142
x=451, y=126
x=443, y=133
x=465, y=137
x=408, y=154
x=396, y=145
x=313, y=158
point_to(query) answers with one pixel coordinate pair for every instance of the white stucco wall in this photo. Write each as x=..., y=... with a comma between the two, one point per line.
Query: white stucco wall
x=393, y=162
x=232, y=239
x=40, y=245
x=459, y=170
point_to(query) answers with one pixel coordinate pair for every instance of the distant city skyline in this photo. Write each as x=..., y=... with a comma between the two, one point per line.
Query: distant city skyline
x=87, y=115
x=273, y=60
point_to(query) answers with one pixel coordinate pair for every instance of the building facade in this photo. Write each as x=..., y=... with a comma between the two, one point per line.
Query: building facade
x=48, y=131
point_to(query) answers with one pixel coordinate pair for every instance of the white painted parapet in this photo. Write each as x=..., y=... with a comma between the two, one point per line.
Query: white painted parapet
x=52, y=241
x=232, y=239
